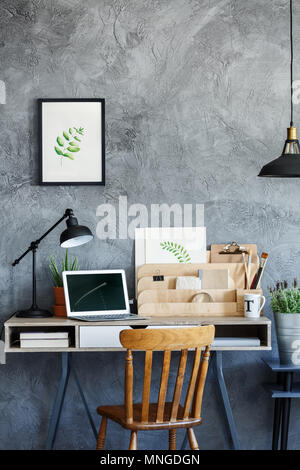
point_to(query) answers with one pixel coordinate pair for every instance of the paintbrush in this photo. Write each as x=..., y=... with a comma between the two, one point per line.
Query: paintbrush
x=258, y=276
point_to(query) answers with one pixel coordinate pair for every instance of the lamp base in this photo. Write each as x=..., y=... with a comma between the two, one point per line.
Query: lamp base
x=34, y=312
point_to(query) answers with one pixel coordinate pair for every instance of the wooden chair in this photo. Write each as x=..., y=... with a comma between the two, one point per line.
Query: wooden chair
x=162, y=415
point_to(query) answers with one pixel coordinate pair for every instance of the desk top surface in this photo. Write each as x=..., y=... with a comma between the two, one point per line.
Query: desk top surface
x=234, y=326
x=59, y=321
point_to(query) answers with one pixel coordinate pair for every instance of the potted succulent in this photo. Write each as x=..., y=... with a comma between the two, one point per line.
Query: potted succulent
x=285, y=302
x=60, y=303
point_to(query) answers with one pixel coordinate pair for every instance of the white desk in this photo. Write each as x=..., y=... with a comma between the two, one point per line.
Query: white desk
x=81, y=336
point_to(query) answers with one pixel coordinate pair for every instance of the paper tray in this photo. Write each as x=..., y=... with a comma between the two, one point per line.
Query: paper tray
x=189, y=309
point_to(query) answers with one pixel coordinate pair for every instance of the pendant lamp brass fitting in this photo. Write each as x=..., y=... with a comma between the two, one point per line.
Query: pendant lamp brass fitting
x=292, y=133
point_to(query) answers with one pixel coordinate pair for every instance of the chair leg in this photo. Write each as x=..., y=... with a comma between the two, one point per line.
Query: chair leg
x=192, y=439
x=102, y=434
x=172, y=439
x=133, y=441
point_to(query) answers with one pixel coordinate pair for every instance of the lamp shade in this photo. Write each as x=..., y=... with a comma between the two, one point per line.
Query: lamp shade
x=288, y=164
x=75, y=234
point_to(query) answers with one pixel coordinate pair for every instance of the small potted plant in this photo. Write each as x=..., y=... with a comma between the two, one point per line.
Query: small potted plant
x=60, y=303
x=285, y=302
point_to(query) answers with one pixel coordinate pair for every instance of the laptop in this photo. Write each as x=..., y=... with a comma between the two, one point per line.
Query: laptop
x=97, y=295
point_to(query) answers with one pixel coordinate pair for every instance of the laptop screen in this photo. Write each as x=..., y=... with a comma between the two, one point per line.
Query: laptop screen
x=98, y=292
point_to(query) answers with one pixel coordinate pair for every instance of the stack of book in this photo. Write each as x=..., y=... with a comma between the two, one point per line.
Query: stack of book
x=41, y=339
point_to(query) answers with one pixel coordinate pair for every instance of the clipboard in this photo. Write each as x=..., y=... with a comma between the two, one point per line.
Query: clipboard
x=232, y=253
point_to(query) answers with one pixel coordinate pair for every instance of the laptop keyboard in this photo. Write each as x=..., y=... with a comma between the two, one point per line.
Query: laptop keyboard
x=129, y=316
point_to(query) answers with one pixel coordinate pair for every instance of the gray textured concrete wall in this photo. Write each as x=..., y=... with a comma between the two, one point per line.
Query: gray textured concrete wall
x=197, y=101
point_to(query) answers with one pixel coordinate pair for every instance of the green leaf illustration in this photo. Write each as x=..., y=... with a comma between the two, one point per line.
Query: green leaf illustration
x=68, y=155
x=58, y=151
x=177, y=250
x=69, y=145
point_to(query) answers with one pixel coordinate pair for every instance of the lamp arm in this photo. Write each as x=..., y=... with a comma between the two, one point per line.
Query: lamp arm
x=33, y=245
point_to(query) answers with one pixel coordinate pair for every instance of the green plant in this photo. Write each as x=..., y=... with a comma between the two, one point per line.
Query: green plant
x=70, y=142
x=285, y=299
x=177, y=250
x=56, y=274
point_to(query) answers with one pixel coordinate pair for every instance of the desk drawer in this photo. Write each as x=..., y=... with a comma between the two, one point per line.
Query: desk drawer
x=108, y=336
x=100, y=336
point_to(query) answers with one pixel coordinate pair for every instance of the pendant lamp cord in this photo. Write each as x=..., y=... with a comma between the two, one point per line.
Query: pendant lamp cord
x=292, y=57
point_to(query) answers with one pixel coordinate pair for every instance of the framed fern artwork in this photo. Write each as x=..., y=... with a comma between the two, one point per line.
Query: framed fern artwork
x=72, y=141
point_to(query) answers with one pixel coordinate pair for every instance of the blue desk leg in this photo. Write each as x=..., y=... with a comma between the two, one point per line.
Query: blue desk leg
x=84, y=402
x=226, y=402
x=217, y=358
x=59, y=400
x=66, y=368
x=184, y=442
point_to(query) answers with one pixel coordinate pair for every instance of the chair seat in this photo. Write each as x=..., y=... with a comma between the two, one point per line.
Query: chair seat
x=117, y=413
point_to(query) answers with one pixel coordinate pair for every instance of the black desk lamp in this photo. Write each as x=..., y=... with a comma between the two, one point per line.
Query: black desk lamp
x=74, y=235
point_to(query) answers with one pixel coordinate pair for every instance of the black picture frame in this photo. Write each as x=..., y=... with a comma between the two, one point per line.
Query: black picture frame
x=42, y=180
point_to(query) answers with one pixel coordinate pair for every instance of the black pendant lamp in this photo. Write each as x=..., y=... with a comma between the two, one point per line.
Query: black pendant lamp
x=288, y=164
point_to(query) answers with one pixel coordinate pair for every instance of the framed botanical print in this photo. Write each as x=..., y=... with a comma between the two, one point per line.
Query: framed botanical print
x=72, y=141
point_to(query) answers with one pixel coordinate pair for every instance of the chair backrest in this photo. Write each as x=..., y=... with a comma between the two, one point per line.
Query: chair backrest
x=168, y=340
